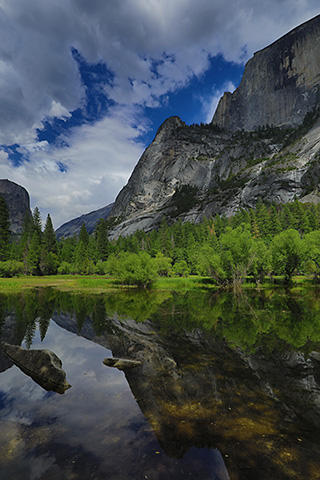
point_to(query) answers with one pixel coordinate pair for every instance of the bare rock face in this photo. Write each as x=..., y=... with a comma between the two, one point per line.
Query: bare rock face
x=18, y=203
x=191, y=172
x=280, y=84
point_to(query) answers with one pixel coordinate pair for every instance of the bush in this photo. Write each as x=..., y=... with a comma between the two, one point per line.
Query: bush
x=133, y=269
x=181, y=268
x=11, y=268
x=65, y=268
x=163, y=265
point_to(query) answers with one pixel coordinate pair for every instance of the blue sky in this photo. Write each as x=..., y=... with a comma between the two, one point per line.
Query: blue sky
x=84, y=85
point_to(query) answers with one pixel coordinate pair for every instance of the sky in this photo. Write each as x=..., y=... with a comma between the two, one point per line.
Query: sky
x=85, y=84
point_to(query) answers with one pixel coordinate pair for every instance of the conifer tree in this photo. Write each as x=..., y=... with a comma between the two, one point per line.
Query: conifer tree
x=50, y=243
x=102, y=242
x=34, y=255
x=286, y=218
x=84, y=235
x=37, y=223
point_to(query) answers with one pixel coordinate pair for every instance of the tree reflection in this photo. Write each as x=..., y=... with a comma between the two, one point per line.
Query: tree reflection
x=248, y=320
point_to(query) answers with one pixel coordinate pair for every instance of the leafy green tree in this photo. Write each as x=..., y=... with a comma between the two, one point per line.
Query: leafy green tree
x=261, y=263
x=135, y=269
x=219, y=225
x=206, y=261
x=181, y=268
x=163, y=265
x=237, y=252
x=288, y=253
x=312, y=248
x=276, y=226
x=4, y=229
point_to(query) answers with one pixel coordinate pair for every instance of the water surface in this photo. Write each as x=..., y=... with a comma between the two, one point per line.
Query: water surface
x=228, y=387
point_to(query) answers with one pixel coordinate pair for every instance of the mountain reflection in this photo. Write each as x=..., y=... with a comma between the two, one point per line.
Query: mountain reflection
x=237, y=373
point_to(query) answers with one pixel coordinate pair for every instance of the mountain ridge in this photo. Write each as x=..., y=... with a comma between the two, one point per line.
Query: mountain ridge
x=263, y=142
x=194, y=171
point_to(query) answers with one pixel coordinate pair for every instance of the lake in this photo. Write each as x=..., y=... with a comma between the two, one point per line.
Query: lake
x=228, y=387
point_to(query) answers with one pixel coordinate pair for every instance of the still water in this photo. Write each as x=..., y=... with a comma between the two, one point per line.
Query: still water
x=228, y=387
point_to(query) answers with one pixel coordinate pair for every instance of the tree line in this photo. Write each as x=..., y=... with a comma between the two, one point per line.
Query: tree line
x=268, y=240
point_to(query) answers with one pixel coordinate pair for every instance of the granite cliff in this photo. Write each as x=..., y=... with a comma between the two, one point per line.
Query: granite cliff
x=192, y=171
x=264, y=141
x=280, y=83
x=18, y=202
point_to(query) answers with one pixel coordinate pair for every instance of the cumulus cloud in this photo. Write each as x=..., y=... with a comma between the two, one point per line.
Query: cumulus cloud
x=150, y=47
x=85, y=175
x=158, y=45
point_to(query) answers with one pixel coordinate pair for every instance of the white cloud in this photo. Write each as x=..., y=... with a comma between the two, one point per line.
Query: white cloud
x=3, y=157
x=39, y=77
x=97, y=163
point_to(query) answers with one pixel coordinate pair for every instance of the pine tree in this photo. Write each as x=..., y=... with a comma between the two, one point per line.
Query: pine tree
x=286, y=218
x=37, y=223
x=50, y=243
x=34, y=255
x=84, y=235
x=4, y=229
x=102, y=242
x=263, y=219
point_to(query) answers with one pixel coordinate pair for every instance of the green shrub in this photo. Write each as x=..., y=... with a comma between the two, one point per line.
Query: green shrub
x=181, y=268
x=11, y=268
x=133, y=269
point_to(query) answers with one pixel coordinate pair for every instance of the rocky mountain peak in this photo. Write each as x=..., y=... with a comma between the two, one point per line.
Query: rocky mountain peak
x=263, y=142
x=18, y=202
x=169, y=126
x=280, y=84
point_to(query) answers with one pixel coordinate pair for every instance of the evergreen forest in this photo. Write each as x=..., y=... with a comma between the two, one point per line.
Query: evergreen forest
x=265, y=242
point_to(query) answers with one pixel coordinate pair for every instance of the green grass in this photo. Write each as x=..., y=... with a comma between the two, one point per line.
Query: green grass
x=79, y=283
x=184, y=283
x=101, y=284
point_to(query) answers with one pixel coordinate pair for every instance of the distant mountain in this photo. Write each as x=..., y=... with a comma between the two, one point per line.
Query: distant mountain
x=90, y=219
x=189, y=172
x=18, y=202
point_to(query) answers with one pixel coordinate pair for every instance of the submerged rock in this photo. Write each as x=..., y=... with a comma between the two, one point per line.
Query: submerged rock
x=43, y=366
x=121, y=363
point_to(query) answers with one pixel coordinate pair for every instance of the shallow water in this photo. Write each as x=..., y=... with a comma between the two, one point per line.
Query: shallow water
x=228, y=387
